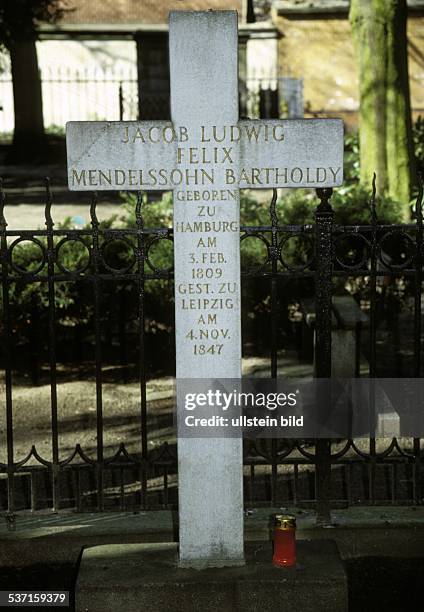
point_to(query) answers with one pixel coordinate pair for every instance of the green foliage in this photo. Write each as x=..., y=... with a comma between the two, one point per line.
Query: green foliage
x=418, y=134
x=155, y=213
x=351, y=157
x=74, y=300
x=25, y=297
x=351, y=205
x=296, y=207
x=159, y=214
x=56, y=130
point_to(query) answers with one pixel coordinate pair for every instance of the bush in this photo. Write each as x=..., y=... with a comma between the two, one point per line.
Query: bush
x=351, y=157
x=351, y=205
x=418, y=135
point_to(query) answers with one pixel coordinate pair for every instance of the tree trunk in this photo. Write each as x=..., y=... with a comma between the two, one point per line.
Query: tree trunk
x=400, y=153
x=28, y=137
x=385, y=134
x=369, y=35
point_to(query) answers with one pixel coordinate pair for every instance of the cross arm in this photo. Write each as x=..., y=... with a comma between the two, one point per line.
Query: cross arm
x=121, y=155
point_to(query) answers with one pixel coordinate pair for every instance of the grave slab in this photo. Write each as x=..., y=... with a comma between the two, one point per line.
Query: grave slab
x=147, y=577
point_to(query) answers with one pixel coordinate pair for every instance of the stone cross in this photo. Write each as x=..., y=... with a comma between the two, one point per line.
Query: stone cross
x=205, y=155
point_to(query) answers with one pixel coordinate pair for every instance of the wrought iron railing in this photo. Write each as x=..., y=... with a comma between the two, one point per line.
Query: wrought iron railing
x=277, y=472
x=85, y=94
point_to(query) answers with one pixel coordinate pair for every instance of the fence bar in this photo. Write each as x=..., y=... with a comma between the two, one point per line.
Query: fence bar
x=122, y=334
x=52, y=348
x=34, y=341
x=416, y=471
x=98, y=353
x=121, y=101
x=324, y=217
x=373, y=344
x=140, y=258
x=295, y=484
x=7, y=348
x=251, y=481
x=274, y=310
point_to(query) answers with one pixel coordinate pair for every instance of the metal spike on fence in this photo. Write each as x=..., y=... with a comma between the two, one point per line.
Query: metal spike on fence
x=93, y=214
x=324, y=194
x=49, y=202
x=272, y=209
x=138, y=217
x=274, y=224
x=372, y=201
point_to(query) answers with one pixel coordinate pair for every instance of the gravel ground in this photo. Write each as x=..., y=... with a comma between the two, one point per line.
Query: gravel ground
x=121, y=412
x=77, y=417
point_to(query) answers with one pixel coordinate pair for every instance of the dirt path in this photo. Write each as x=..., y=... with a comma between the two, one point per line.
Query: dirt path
x=121, y=412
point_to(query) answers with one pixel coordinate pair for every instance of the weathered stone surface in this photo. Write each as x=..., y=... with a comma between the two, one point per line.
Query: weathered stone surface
x=206, y=155
x=147, y=577
x=160, y=155
x=210, y=485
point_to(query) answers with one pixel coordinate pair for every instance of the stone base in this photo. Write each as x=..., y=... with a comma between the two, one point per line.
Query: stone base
x=134, y=577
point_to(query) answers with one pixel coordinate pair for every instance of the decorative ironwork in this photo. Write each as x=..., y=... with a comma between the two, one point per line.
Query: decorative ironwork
x=276, y=472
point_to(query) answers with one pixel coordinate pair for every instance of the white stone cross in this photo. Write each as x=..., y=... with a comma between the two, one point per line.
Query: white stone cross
x=205, y=155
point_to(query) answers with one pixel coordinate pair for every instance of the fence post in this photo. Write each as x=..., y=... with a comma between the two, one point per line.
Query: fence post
x=121, y=101
x=323, y=294
x=418, y=324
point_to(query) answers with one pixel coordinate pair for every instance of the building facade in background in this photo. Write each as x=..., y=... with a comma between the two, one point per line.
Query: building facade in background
x=316, y=45
x=108, y=59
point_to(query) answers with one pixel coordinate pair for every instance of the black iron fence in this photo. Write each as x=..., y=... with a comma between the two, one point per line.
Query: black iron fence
x=93, y=93
x=274, y=96
x=83, y=94
x=75, y=464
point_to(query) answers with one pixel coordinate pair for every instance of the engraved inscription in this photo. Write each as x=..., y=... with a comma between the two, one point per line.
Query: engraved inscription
x=205, y=166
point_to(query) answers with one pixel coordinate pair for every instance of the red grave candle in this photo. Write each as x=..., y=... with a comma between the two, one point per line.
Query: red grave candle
x=284, y=541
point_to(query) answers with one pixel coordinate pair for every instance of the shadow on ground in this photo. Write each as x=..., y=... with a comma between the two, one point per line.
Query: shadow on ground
x=45, y=577
x=385, y=583
x=375, y=583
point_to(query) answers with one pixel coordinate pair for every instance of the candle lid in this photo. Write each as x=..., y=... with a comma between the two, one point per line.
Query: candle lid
x=285, y=521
